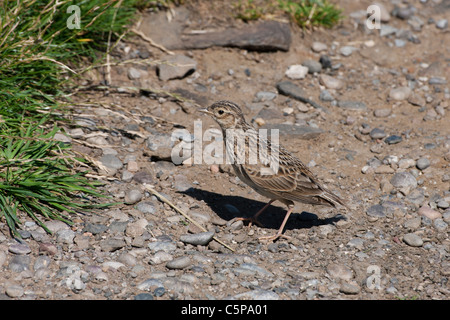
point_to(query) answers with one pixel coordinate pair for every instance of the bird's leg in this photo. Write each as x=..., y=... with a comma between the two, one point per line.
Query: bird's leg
x=254, y=219
x=280, y=231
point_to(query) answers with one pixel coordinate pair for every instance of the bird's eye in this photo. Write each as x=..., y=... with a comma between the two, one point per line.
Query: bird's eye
x=220, y=112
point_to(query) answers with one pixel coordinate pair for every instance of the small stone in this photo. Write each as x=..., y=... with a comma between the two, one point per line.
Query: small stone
x=401, y=93
x=95, y=228
x=296, y=72
x=146, y=207
x=443, y=204
x=14, y=291
x=406, y=163
x=331, y=82
x=442, y=24
x=404, y=181
x=413, y=240
x=349, y=288
x=48, y=248
x=377, y=133
x=339, y=271
x=133, y=73
x=382, y=113
x=352, y=105
x=110, y=245
x=111, y=161
x=325, y=61
x=262, y=96
x=19, y=248
x=413, y=223
x=161, y=257
x=19, y=263
x=167, y=246
x=319, y=46
x=393, y=139
x=65, y=236
x=56, y=225
x=376, y=211
x=347, y=50
x=426, y=211
x=312, y=65
x=179, y=263
x=325, y=95
x=440, y=224
x=422, y=163
x=201, y=239
x=133, y=196
x=143, y=296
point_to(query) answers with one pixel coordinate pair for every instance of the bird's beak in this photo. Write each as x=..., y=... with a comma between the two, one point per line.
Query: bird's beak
x=204, y=110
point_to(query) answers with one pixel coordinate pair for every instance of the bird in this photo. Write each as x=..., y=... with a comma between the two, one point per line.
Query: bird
x=276, y=174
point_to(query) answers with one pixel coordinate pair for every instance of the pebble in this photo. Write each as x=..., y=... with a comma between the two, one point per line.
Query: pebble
x=133, y=73
x=110, y=245
x=330, y=82
x=319, y=46
x=167, y=246
x=440, y=224
x=133, y=196
x=325, y=95
x=377, y=133
x=14, y=291
x=201, y=239
x=179, y=263
x=65, y=236
x=325, y=61
x=352, y=105
x=393, y=139
x=413, y=240
x=296, y=72
x=161, y=257
x=143, y=296
x=262, y=96
x=426, y=211
x=376, y=211
x=349, y=288
x=111, y=161
x=347, y=50
x=404, y=181
x=442, y=24
x=312, y=65
x=146, y=207
x=19, y=263
x=339, y=271
x=401, y=93
x=19, y=248
x=382, y=113
x=422, y=163
x=257, y=294
x=175, y=67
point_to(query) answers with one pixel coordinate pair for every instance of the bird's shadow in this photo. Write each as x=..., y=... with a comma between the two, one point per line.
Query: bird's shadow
x=229, y=207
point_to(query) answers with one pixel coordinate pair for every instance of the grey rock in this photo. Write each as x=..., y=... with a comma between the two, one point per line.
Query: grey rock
x=262, y=96
x=143, y=296
x=56, y=225
x=393, y=139
x=319, y=46
x=442, y=24
x=143, y=177
x=401, y=93
x=95, y=228
x=440, y=224
x=160, y=144
x=325, y=95
x=404, y=180
x=347, y=50
x=312, y=65
x=133, y=196
x=117, y=227
x=201, y=239
x=41, y=262
x=349, y=288
x=161, y=257
x=386, y=30
x=181, y=183
x=331, y=82
x=339, y=271
x=146, y=207
x=19, y=248
x=437, y=80
x=377, y=211
x=14, y=291
x=251, y=269
x=179, y=263
x=65, y=236
x=133, y=73
x=167, y=246
x=111, y=245
x=290, y=89
x=111, y=161
x=422, y=163
x=19, y=263
x=443, y=204
x=352, y=105
x=377, y=133
x=413, y=240
x=175, y=67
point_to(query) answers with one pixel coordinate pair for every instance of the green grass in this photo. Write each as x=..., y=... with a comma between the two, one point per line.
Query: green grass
x=39, y=55
x=305, y=13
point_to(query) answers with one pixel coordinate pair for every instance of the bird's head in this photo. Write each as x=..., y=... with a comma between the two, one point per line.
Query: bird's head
x=227, y=114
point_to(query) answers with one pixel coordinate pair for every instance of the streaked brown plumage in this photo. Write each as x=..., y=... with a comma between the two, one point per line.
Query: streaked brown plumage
x=290, y=181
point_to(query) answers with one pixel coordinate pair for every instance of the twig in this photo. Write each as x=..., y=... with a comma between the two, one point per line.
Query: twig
x=143, y=36
x=165, y=200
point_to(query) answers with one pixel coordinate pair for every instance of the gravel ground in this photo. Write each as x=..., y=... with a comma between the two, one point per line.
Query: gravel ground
x=377, y=134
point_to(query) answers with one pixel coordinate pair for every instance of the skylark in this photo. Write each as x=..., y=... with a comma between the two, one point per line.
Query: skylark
x=276, y=173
